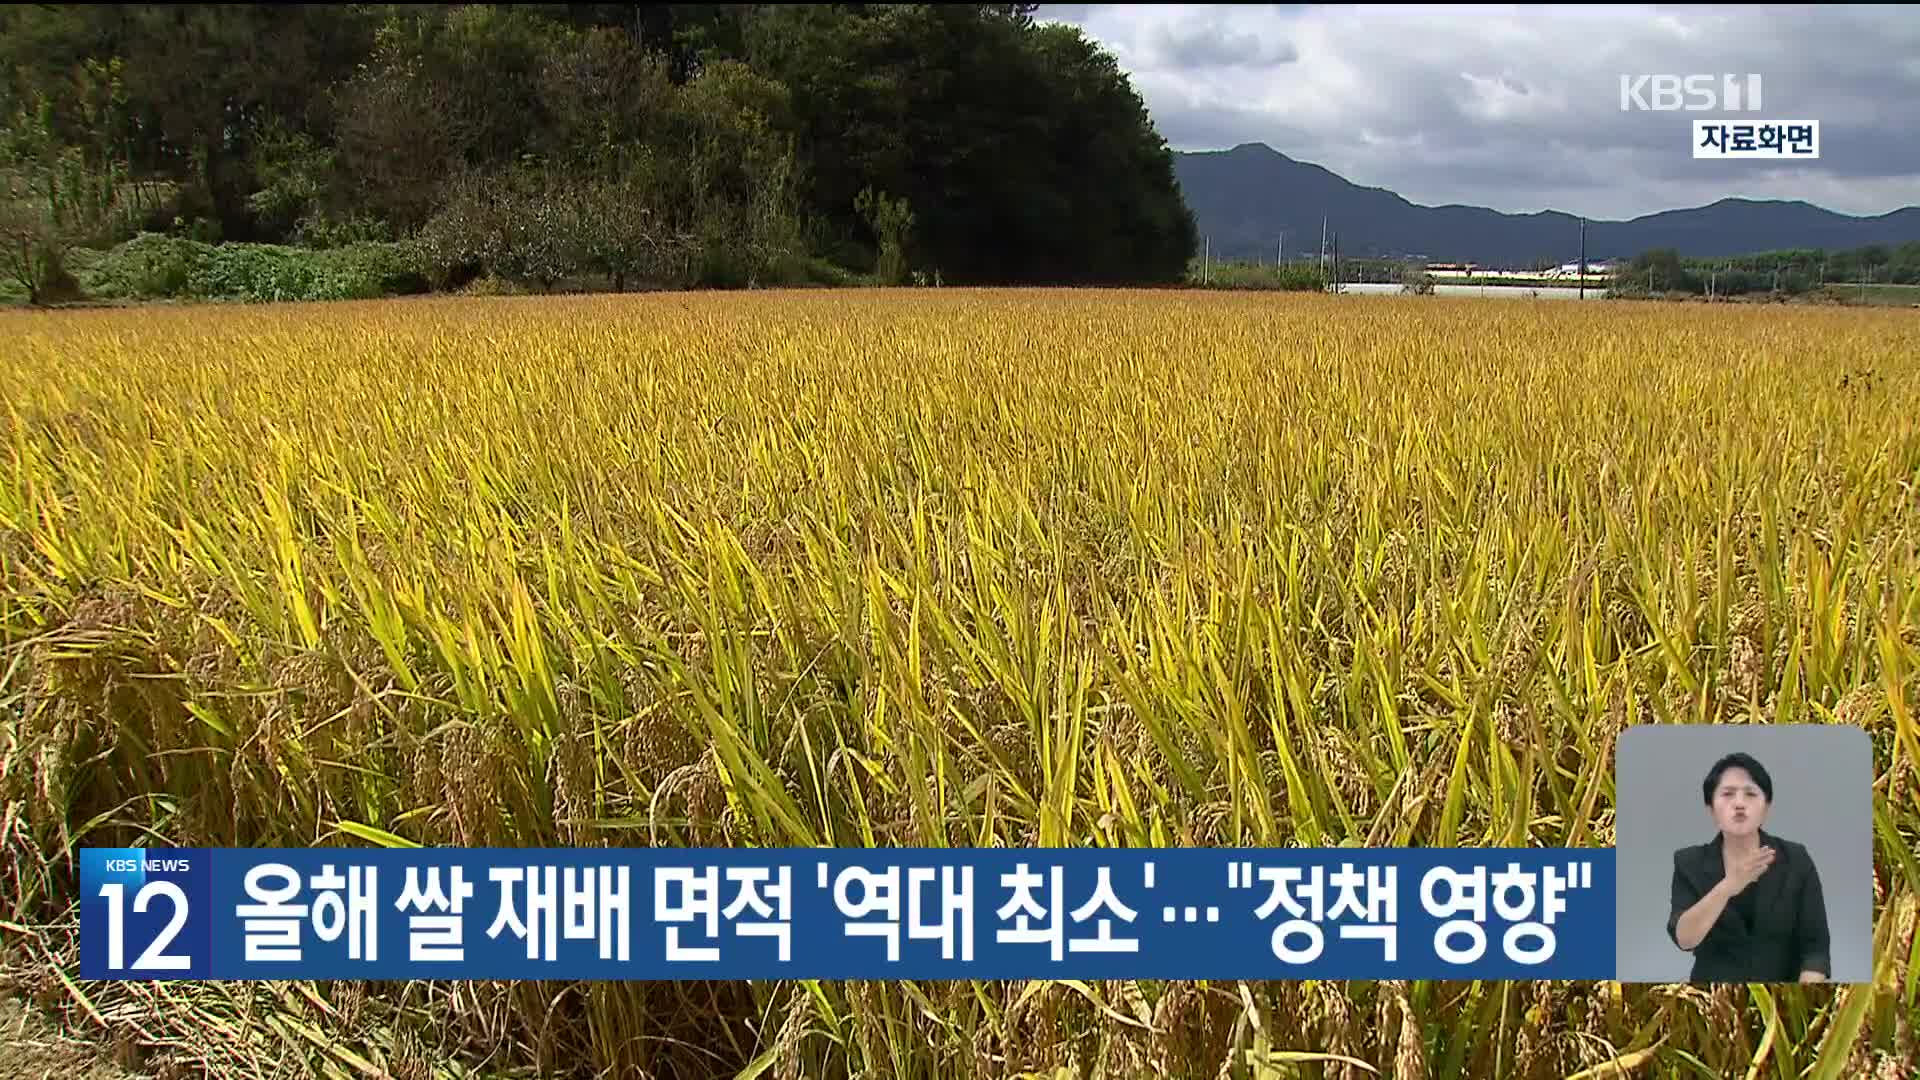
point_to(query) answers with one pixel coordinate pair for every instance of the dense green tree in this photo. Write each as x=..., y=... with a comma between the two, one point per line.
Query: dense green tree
x=990, y=128
x=745, y=133
x=1135, y=225
x=201, y=81
x=1660, y=270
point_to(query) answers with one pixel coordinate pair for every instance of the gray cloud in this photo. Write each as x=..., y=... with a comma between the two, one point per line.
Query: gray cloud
x=1191, y=45
x=1073, y=13
x=1518, y=107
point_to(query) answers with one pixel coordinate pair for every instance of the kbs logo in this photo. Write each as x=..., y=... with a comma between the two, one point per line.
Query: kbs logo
x=1689, y=93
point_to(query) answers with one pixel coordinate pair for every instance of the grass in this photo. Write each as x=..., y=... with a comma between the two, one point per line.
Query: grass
x=958, y=567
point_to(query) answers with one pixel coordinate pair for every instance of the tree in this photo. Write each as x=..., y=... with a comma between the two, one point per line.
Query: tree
x=609, y=102
x=989, y=127
x=892, y=223
x=445, y=87
x=208, y=79
x=1137, y=227
x=744, y=134
x=396, y=138
x=1657, y=270
x=55, y=196
x=731, y=151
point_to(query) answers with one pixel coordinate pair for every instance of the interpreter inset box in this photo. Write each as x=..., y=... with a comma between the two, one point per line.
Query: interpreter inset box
x=1744, y=854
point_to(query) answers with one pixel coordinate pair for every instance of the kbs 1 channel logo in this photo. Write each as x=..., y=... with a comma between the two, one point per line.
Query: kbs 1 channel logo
x=1722, y=139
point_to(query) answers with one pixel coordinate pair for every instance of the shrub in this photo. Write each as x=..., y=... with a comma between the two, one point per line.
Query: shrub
x=524, y=227
x=152, y=266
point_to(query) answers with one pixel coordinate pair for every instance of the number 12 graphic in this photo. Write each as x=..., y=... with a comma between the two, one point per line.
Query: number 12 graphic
x=155, y=956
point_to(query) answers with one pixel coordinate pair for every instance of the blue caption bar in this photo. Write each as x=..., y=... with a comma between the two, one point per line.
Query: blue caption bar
x=842, y=913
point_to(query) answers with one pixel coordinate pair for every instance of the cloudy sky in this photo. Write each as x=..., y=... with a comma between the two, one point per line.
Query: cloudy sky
x=1518, y=107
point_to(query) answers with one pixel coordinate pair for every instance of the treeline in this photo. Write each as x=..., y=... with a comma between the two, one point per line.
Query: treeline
x=1789, y=272
x=645, y=144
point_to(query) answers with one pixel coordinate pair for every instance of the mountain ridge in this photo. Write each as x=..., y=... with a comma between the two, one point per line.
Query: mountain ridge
x=1245, y=197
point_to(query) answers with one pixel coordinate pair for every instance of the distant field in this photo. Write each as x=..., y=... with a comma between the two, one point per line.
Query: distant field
x=1890, y=295
x=954, y=567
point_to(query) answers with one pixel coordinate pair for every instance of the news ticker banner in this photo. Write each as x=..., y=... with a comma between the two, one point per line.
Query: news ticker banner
x=847, y=913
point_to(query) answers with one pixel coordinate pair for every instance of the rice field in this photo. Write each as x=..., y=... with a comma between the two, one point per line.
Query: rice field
x=942, y=567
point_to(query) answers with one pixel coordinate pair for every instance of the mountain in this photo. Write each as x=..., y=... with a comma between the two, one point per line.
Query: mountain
x=1244, y=198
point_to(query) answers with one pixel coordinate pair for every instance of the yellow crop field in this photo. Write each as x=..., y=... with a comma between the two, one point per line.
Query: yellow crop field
x=943, y=567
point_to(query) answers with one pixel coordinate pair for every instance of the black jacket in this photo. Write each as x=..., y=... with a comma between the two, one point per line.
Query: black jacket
x=1769, y=937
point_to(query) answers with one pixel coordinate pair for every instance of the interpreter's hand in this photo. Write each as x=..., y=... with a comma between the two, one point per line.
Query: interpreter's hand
x=1747, y=869
x=1812, y=977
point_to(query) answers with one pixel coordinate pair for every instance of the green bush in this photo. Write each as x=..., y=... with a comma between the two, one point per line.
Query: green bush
x=153, y=266
x=149, y=266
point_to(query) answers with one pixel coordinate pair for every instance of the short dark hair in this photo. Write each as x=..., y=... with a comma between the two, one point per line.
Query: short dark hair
x=1736, y=761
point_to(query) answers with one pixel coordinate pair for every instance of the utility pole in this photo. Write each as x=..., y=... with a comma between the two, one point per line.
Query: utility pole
x=1582, y=271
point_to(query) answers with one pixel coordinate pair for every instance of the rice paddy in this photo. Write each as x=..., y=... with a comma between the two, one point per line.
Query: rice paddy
x=942, y=567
